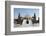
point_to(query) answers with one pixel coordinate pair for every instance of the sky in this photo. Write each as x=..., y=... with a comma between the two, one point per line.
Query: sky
x=26, y=11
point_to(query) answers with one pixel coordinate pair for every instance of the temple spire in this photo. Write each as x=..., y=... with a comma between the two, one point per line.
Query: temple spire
x=34, y=15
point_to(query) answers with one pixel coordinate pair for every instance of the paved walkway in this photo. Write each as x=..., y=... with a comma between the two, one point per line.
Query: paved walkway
x=24, y=24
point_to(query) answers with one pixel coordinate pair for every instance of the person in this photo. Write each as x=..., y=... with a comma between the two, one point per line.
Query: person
x=27, y=21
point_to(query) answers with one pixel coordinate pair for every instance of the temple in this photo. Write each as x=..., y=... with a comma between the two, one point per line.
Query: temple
x=20, y=20
x=34, y=19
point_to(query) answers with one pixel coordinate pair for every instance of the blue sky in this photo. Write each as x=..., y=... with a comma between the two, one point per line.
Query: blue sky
x=26, y=11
